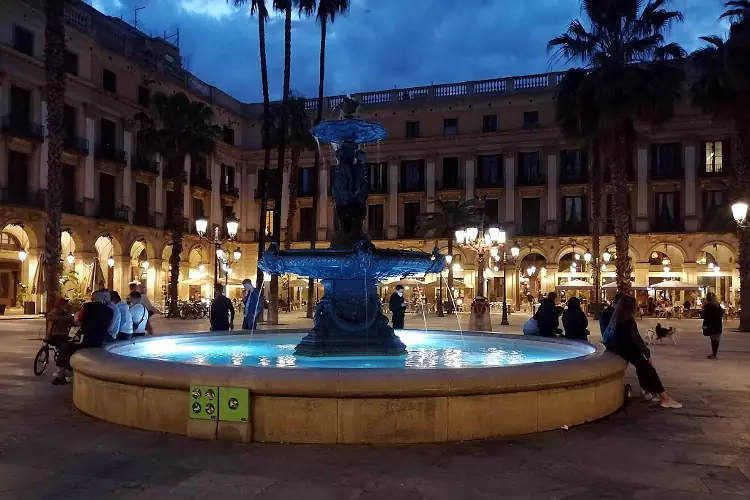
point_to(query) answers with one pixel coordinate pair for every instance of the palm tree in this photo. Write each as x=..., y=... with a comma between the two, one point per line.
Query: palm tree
x=722, y=89
x=449, y=215
x=54, y=50
x=578, y=124
x=631, y=76
x=299, y=139
x=259, y=7
x=326, y=12
x=180, y=128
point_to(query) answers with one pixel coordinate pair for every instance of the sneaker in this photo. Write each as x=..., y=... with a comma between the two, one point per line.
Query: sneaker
x=59, y=381
x=655, y=398
x=647, y=396
x=711, y=356
x=671, y=403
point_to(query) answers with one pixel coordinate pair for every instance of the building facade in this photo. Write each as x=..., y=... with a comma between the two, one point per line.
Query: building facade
x=494, y=138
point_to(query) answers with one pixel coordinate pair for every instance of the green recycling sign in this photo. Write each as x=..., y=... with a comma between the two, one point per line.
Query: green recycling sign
x=228, y=404
x=203, y=402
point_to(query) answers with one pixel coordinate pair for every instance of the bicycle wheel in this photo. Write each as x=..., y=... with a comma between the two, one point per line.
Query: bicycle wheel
x=41, y=360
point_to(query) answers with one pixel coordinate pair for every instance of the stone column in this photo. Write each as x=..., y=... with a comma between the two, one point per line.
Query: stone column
x=470, y=176
x=510, y=193
x=44, y=150
x=642, y=222
x=393, y=178
x=691, y=220
x=430, y=184
x=188, y=196
x=640, y=272
x=217, y=217
x=89, y=170
x=552, y=195
x=159, y=194
x=324, y=172
x=127, y=174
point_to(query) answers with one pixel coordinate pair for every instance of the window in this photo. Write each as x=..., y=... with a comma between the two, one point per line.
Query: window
x=228, y=134
x=307, y=222
x=666, y=161
x=375, y=220
x=572, y=166
x=142, y=196
x=530, y=119
x=716, y=213
x=714, y=159
x=489, y=171
x=107, y=133
x=109, y=80
x=667, y=211
x=378, y=177
x=69, y=188
x=530, y=216
x=412, y=130
x=70, y=122
x=492, y=211
x=450, y=173
x=450, y=126
x=489, y=123
x=411, y=216
x=106, y=195
x=20, y=106
x=412, y=175
x=269, y=221
x=574, y=213
x=23, y=40
x=197, y=208
x=18, y=182
x=227, y=176
x=8, y=242
x=528, y=168
x=144, y=96
x=227, y=212
x=70, y=63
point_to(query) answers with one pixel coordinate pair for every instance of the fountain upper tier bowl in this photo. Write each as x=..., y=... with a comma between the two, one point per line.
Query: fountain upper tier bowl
x=351, y=130
x=443, y=389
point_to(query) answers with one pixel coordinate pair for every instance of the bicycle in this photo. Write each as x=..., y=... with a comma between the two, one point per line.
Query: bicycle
x=41, y=360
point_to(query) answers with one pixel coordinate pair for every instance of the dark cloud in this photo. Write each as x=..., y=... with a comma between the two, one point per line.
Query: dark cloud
x=381, y=44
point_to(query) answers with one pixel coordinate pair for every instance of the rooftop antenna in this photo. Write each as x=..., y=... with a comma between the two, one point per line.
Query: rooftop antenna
x=175, y=35
x=135, y=16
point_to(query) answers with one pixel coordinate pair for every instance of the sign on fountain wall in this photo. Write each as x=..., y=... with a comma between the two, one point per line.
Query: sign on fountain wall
x=228, y=404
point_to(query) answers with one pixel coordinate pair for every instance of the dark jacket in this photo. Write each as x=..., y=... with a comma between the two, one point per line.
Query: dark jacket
x=625, y=337
x=222, y=313
x=546, y=318
x=575, y=323
x=95, y=319
x=605, y=317
x=395, y=304
x=712, y=316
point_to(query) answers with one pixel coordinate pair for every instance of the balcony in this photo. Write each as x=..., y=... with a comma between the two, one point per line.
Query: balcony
x=574, y=177
x=77, y=145
x=118, y=214
x=525, y=178
x=22, y=198
x=486, y=183
x=200, y=181
x=22, y=128
x=144, y=219
x=668, y=173
x=227, y=190
x=713, y=172
x=174, y=174
x=111, y=154
x=73, y=208
x=718, y=220
x=576, y=228
x=411, y=187
x=450, y=185
x=144, y=165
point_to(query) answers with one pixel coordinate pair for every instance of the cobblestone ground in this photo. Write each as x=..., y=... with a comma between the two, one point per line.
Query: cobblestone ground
x=50, y=450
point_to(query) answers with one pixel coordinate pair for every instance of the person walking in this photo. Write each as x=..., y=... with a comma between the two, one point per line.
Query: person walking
x=574, y=321
x=397, y=306
x=222, y=311
x=622, y=338
x=138, y=313
x=125, y=329
x=712, y=328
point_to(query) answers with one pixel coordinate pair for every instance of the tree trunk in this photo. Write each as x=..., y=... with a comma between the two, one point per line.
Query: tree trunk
x=273, y=306
x=178, y=230
x=595, y=194
x=316, y=165
x=54, y=49
x=266, y=145
x=450, y=276
x=621, y=214
x=293, y=184
x=741, y=174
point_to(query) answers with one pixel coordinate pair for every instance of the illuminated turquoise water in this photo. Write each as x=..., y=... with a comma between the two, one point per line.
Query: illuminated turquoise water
x=433, y=349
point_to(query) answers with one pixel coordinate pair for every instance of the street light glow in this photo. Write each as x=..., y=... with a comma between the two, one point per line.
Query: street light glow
x=201, y=225
x=111, y=262
x=237, y=255
x=71, y=258
x=233, y=226
x=606, y=256
x=739, y=211
x=220, y=253
x=22, y=254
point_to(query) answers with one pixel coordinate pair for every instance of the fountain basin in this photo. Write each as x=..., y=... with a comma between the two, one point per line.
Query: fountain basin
x=446, y=389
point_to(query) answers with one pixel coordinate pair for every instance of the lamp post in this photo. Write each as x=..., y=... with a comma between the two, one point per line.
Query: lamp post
x=515, y=250
x=481, y=241
x=232, y=224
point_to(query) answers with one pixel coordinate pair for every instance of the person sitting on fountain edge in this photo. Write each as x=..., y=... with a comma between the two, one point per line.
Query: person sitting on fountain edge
x=397, y=306
x=253, y=304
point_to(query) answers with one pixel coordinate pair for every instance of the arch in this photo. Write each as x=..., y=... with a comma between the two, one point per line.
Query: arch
x=720, y=251
x=23, y=234
x=526, y=251
x=70, y=243
x=138, y=246
x=197, y=256
x=675, y=252
x=106, y=246
x=166, y=252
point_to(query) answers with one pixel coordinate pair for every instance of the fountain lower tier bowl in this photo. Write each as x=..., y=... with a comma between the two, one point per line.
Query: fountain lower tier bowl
x=447, y=387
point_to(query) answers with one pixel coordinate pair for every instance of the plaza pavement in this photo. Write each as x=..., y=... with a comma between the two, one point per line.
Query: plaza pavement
x=49, y=450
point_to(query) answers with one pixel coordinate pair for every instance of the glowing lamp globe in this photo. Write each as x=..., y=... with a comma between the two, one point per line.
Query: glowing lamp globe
x=233, y=226
x=111, y=262
x=22, y=254
x=739, y=211
x=201, y=225
x=71, y=258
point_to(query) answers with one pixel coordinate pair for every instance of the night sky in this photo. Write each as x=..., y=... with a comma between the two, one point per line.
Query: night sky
x=380, y=44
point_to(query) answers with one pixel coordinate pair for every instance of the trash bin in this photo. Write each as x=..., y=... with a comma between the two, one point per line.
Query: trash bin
x=29, y=307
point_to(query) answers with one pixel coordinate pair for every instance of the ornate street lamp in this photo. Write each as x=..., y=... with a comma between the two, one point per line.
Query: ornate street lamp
x=232, y=226
x=515, y=250
x=739, y=212
x=71, y=258
x=110, y=262
x=22, y=254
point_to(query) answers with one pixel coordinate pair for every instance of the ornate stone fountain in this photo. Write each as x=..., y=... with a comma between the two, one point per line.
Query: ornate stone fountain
x=349, y=320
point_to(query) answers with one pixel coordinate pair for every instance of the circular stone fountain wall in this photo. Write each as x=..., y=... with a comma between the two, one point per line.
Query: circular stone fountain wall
x=455, y=395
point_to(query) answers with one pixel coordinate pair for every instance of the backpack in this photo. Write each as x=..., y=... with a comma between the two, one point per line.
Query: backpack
x=136, y=325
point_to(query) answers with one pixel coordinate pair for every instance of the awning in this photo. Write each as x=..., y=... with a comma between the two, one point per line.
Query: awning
x=575, y=285
x=633, y=286
x=675, y=285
